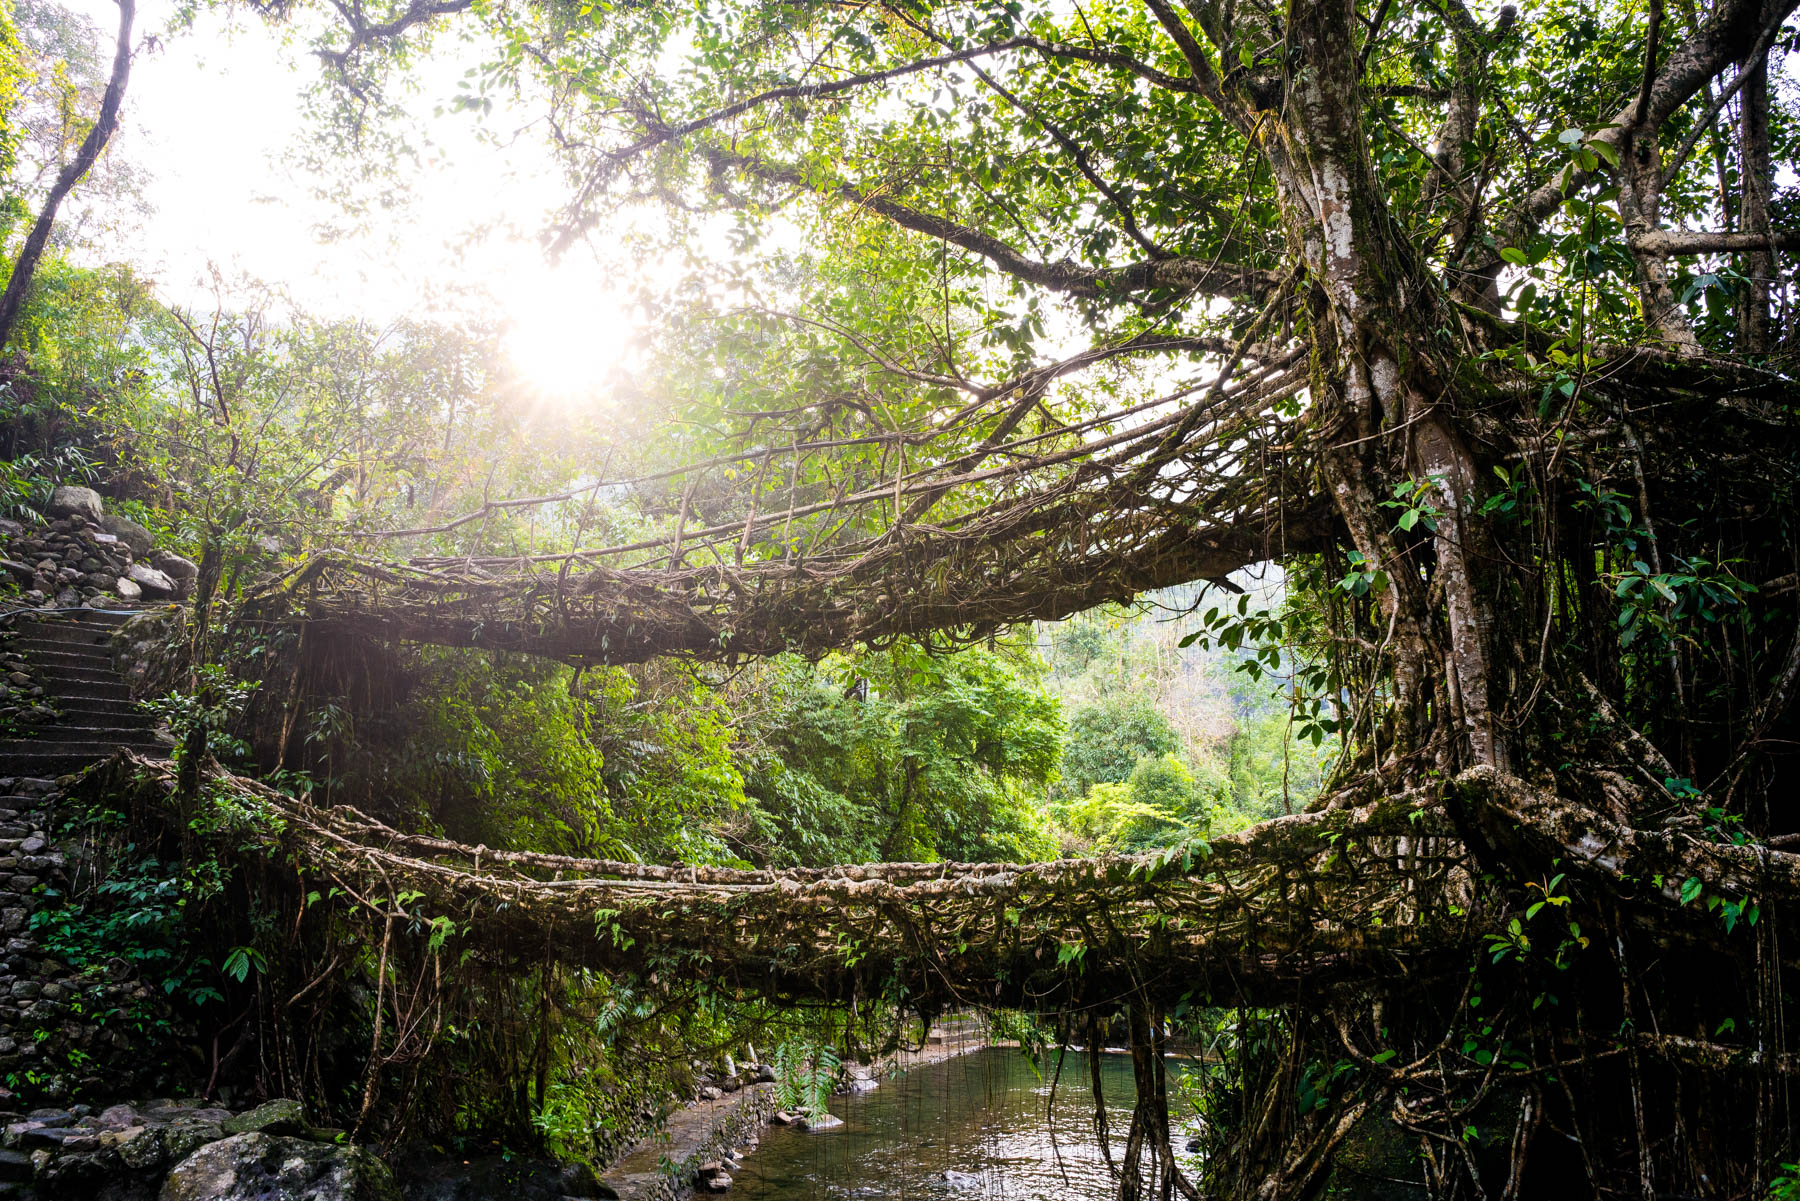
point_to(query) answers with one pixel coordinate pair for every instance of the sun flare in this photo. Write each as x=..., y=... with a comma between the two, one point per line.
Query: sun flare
x=569, y=335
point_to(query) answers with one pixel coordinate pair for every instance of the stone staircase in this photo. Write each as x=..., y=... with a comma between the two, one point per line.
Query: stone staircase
x=70, y=654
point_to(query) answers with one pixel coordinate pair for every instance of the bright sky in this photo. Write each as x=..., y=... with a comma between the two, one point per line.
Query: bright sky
x=217, y=119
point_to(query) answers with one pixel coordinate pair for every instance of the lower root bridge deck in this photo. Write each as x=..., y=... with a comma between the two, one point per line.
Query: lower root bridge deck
x=1353, y=896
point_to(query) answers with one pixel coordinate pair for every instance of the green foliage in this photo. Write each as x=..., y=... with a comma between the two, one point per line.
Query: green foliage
x=1412, y=505
x=1229, y=689
x=1107, y=818
x=14, y=73
x=208, y=713
x=1162, y=803
x=788, y=1062
x=806, y=1074
x=141, y=906
x=1662, y=602
x=1170, y=784
x=137, y=916
x=1110, y=736
x=1558, y=938
x=27, y=481
x=241, y=961
x=509, y=751
x=946, y=757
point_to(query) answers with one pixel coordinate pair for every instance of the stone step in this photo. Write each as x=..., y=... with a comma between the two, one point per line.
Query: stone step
x=75, y=642
x=115, y=710
x=90, y=730
x=72, y=679
x=110, y=617
x=52, y=764
x=56, y=660
x=89, y=630
x=115, y=612
x=99, y=691
x=63, y=652
x=80, y=642
x=67, y=732
x=27, y=756
x=89, y=694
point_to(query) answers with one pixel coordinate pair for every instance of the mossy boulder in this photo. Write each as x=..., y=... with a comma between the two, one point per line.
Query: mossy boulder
x=281, y=1117
x=262, y=1167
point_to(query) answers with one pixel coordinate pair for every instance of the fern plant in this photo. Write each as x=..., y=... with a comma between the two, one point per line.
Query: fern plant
x=821, y=1081
x=789, y=1091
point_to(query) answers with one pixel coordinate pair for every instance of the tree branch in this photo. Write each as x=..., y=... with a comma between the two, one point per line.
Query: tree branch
x=1206, y=78
x=1074, y=279
x=1688, y=68
x=105, y=123
x=1705, y=121
x=362, y=33
x=1676, y=241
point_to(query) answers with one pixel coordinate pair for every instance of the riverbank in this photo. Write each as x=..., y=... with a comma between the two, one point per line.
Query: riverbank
x=947, y=1040
x=700, y=1145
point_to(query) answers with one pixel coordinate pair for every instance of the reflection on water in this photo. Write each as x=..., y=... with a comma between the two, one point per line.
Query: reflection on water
x=980, y=1118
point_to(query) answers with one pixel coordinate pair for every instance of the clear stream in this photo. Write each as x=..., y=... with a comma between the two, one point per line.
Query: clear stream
x=980, y=1116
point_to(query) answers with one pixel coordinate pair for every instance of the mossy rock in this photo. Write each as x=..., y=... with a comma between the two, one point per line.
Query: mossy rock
x=259, y=1167
x=280, y=1117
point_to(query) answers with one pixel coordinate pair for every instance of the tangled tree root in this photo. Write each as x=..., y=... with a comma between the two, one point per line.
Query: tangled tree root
x=1392, y=970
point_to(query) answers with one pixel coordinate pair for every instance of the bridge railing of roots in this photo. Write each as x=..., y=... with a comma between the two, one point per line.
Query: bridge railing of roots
x=955, y=526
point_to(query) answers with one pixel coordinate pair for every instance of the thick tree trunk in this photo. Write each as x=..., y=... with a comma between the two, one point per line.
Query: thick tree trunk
x=1397, y=463
x=1756, y=178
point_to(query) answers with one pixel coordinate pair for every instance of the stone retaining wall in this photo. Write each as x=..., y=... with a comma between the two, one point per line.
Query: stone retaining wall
x=63, y=1033
x=699, y=1134
x=84, y=556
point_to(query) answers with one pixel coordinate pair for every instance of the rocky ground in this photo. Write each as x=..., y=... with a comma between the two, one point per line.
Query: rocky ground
x=89, y=558
x=192, y=1150
x=56, y=1040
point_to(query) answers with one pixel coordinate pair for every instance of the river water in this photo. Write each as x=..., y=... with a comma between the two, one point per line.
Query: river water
x=985, y=1116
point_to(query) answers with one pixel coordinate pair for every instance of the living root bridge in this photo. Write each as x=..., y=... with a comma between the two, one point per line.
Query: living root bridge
x=1172, y=490
x=1370, y=898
